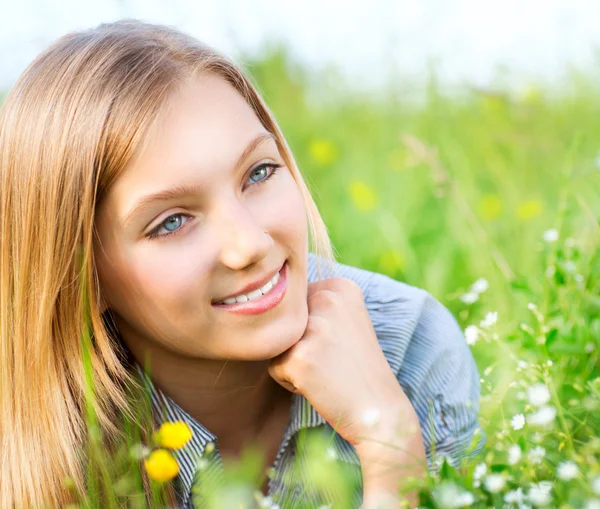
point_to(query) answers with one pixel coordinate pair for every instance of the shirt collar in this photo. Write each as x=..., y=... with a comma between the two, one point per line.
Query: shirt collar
x=302, y=415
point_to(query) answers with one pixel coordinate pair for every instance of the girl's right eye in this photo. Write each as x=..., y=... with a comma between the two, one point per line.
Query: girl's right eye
x=169, y=220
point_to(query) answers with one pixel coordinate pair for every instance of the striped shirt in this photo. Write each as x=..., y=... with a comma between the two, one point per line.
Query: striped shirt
x=433, y=364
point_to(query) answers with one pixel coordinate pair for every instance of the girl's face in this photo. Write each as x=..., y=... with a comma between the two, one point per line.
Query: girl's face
x=164, y=260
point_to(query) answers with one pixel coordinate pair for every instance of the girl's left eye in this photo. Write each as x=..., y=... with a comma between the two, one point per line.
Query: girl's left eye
x=154, y=233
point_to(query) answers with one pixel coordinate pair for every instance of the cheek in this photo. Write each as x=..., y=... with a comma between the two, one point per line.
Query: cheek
x=287, y=212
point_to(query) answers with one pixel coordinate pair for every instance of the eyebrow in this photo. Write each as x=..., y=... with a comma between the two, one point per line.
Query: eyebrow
x=182, y=190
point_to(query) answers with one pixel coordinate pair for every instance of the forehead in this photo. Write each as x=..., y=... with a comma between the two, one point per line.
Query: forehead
x=200, y=132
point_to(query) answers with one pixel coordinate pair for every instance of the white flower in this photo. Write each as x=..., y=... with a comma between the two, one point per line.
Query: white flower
x=472, y=334
x=480, y=471
x=371, y=417
x=494, y=482
x=490, y=319
x=514, y=497
x=514, y=454
x=538, y=394
x=536, y=454
x=567, y=470
x=439, y=460
x=593, y=503
x=595, y=484
x=266, y=503
x=465, y=498
x=480, y=286
x=470, y=297
x=449, y=496
x=550, y=235
x=202, y=464
x=331, y=454
x=544, y=416
x=539, y=494
x=570, y=266
x=518, y=421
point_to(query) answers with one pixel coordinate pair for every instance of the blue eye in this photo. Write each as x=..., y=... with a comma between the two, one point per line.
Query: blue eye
x=171, y=220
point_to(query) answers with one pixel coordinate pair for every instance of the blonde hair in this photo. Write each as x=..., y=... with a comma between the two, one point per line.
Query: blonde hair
x=68, y=127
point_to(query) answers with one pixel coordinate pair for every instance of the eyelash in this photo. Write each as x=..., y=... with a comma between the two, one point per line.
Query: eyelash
x=153, y=234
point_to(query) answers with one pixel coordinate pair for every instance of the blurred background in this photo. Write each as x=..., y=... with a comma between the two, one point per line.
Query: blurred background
x=453, y=145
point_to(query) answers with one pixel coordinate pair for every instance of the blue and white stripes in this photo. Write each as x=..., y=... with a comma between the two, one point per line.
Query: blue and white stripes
x=426, y=350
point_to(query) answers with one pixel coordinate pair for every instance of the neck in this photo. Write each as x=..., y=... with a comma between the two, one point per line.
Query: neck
x=234, y=400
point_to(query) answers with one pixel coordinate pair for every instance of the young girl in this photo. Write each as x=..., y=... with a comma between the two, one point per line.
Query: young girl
x=151, y=158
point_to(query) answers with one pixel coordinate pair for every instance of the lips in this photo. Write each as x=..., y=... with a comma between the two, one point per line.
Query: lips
x=250, y=287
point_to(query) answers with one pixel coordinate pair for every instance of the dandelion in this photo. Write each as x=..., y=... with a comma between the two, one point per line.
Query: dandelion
x=323, y=152
x=494, y=483
x=490, y=319
x=514, y=454
x=173, y=435
x=469, y=297
x=538, y=394
x=544, y=416
x=515, y=497
x=161, y=465
x=595, y=484
x=480, y=286
x=363, y=195
x=567, y=470
x=529, y=209
x=550, y=235
x=518, y=421
x=471, y=334
x=537, y=454
x=539, y=494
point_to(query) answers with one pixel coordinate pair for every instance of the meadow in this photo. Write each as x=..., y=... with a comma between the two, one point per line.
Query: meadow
x=490, y=200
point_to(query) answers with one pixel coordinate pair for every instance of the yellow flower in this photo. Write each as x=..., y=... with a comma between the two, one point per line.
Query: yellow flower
x=363, y=195
x=529, y=209
x=490, y=206
x=173, y=435
x=391, y=261
x=323, y=152
x=161, y=465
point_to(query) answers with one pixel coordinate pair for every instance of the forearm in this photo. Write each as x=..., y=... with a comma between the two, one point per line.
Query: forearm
x=396, y=455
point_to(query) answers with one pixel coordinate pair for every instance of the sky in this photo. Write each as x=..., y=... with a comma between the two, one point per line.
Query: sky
x=469, y=40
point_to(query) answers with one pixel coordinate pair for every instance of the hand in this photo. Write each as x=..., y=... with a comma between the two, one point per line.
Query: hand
x=338, y=364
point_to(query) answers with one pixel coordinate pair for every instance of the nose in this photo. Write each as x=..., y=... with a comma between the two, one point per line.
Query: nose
x=242, y=237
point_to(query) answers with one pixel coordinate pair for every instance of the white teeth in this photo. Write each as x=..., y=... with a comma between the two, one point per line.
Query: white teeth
x=254, y=294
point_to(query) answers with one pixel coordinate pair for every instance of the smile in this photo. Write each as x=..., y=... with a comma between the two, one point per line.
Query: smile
x=260, y=300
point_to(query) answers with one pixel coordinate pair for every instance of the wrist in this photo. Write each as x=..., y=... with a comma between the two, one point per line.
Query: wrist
x=393, y=453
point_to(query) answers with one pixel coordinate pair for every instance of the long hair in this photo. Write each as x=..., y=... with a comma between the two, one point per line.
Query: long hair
x=68, y=127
